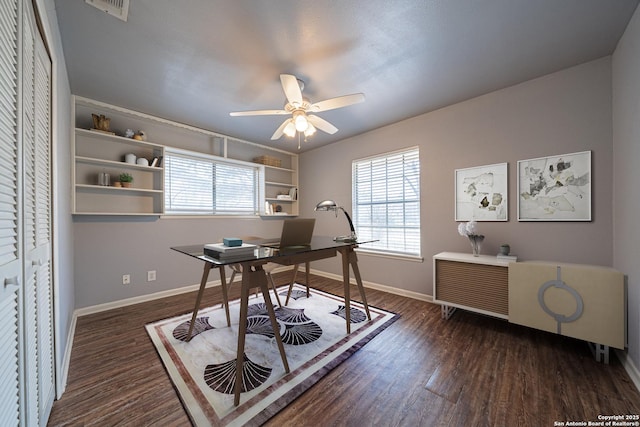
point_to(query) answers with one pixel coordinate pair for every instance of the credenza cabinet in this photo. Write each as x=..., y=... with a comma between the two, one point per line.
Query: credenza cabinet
x=586, y=302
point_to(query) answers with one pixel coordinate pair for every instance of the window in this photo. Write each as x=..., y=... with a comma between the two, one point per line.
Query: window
x=386, y=201
x=199, y=184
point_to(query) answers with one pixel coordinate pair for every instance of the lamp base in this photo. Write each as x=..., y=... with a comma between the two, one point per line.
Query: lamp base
x=346, y=239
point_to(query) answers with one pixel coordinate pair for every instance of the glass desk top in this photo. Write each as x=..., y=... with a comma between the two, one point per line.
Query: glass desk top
x=264, y=253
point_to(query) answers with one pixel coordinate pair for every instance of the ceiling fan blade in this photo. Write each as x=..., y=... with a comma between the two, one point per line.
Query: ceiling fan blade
x=291, y=89
x=280, y=131
x=322, y=124
x=259, y=113
x=339, y=102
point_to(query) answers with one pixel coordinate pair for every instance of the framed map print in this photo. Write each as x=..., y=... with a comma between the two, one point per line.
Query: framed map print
x=481, y=193
x=555, y=188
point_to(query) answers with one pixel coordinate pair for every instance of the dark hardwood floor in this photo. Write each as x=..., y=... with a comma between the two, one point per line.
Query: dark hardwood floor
x=471, y=370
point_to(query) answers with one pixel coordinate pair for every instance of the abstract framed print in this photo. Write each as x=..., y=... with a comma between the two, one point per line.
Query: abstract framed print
x=555, y=188
x=481, y=193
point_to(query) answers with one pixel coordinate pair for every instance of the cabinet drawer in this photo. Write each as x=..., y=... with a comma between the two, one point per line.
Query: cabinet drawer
x=479, y=286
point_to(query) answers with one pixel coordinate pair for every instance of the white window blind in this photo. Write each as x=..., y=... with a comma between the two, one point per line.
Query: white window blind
x=386, y=201
x=197, y=184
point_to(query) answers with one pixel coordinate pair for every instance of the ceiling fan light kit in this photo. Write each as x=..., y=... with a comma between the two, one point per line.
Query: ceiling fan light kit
x=301, y=122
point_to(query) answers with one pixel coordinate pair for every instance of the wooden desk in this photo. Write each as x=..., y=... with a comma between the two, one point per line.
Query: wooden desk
x=253, y=275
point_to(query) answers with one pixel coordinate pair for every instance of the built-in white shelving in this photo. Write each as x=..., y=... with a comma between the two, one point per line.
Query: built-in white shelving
x=96, y=153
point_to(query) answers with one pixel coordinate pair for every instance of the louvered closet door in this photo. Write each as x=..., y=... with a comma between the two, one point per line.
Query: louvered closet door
x=38, y=320
x=10, y=258
x=40, y=257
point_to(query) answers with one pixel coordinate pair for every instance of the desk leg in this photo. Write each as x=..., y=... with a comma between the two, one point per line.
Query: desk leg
x=242, y=330
x=293, y=280
x=307, y=267
x=262, y=280
x=350, y=258
x=225, y=295
x=347, y=291
x=203, y=283
x=353, y=260
x=251, y=279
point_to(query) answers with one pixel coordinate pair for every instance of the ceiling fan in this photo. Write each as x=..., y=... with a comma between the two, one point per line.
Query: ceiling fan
x=301, y=121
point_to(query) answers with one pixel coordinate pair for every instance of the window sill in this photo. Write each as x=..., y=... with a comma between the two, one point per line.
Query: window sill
x=164, y=216
x=402, y=257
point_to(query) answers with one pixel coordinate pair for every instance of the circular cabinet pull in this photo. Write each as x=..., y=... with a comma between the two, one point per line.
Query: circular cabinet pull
x=560, y=318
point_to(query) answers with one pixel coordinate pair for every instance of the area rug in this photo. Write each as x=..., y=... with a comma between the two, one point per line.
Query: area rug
x=314, y=334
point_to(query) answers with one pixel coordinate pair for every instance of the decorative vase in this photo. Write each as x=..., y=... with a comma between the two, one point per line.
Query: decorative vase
x=505, y=249
x=476, y=243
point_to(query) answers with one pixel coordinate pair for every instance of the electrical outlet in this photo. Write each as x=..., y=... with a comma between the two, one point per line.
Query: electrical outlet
x=151, y=276
x=126, y=279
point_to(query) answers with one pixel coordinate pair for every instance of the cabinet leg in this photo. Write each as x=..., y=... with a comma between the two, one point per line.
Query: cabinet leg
x=447, y=311
x=600, y=352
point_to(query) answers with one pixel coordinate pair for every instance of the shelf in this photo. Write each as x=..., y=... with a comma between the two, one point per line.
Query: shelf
x=283, y=215
x=112, y=188
x=115, y=214
x=280, y=184
x=112, y=163
x=116, y=138
x=277, y=168
x=273, y=199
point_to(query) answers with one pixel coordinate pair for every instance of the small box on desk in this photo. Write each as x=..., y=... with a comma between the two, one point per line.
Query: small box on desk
x=232, y=241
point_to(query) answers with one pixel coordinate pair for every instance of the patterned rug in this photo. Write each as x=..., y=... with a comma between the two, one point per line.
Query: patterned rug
x=314, y=334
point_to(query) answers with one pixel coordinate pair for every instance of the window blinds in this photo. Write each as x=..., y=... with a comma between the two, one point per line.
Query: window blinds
x=207, y=185
x=386, y=201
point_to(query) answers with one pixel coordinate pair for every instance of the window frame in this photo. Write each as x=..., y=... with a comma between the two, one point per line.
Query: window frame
x=258, y=186
x=388, y=250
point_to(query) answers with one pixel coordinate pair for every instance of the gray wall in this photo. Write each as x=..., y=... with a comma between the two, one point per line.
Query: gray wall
x=106, y=248
x=626, y=174
x=565, y=112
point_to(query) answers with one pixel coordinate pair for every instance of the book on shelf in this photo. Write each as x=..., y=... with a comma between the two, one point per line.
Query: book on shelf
x=512, y=258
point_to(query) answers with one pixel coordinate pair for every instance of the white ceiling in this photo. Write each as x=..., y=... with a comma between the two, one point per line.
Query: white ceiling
x=195, y=61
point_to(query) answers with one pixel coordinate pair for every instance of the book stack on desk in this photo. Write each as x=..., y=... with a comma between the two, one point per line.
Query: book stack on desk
x=226, y=253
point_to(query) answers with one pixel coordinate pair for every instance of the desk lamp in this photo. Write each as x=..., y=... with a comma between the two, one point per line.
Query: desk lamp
x=330, y=205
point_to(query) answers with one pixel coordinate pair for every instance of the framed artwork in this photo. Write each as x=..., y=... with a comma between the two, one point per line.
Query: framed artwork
x=481, y=193
x=555, y=188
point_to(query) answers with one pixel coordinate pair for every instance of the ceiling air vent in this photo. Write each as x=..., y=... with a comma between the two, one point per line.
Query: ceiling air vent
x=117, y=8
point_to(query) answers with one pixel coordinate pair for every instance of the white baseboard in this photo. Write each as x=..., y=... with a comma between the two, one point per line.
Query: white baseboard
x=142, y=298
x=630, y=367
x=377, y=286
x=66, y=359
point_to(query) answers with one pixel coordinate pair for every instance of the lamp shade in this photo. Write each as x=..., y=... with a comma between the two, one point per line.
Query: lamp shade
x=290, y=129
x=326, y=205
x=330, y=205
